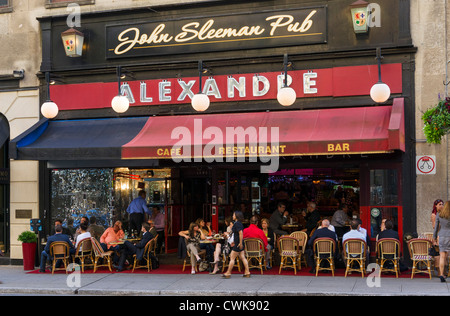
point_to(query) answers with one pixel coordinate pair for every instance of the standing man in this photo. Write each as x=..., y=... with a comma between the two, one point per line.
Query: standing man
x=137, y=210
x=159, y=222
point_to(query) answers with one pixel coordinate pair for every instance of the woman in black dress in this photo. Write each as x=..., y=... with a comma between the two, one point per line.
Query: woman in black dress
x=237, y=246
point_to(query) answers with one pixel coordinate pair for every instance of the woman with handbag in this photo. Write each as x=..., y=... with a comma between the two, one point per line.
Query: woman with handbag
x=442, y=230
x=237, y=248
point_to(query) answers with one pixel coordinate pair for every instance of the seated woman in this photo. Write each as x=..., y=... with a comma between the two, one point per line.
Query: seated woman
x=223, y=248
x=270, y=238
x=193, y=237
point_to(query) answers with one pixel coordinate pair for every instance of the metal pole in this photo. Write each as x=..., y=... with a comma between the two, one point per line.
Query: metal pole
x=285, y=69
x=200, y=70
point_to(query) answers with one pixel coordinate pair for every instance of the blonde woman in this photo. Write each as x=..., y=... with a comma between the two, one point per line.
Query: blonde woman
x=442, y=230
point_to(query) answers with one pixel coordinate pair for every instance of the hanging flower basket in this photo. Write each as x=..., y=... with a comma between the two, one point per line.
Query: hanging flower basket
x=437, y=121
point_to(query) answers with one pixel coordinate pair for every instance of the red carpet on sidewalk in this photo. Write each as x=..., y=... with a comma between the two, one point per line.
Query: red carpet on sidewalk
x=177, y=269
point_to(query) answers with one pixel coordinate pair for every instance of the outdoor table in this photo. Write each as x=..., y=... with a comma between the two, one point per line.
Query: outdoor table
x=290, y=227
x=121, y=242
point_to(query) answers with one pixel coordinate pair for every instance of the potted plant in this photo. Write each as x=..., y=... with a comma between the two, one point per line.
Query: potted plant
x=437, y=121
x=28, y=240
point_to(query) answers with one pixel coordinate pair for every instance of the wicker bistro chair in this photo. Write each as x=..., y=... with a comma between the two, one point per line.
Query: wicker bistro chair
x=149, y=249
x=100, y=254
x=187, y=259
x=388, y=250
x=302, y=238
x=288, y=249
x=59, y=250
x=354, y=251
x=83, y=252
x=418, y=250
x=254, y=251
x=324, y=249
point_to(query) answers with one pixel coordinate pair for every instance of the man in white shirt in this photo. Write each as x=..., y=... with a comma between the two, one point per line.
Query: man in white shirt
x=354, y=233
x=83, y=234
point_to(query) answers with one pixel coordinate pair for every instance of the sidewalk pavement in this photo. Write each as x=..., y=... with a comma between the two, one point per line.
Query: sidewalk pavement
x=16, y=281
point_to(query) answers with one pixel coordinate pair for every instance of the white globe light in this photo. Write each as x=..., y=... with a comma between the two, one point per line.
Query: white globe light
x=49, y=109
x=286, y=96
x=200, y=102
x=380, y=92
x=120, y=103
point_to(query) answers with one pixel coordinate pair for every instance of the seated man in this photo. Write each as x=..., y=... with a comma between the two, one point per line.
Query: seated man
x=279, y=218
x=354, y=232
x=58, y=236
x=253, y=231
x=388, y=232
x=322, y=232
x=129, y=249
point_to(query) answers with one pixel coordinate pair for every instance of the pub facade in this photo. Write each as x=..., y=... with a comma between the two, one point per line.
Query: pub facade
x=245, y=148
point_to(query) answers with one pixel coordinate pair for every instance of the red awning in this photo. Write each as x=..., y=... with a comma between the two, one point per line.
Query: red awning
x=377, y=129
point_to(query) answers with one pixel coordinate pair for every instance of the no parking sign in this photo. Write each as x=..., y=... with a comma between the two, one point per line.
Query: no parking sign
x=426, y=164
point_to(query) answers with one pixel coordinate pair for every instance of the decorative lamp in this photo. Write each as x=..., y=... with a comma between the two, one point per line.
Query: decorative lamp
x=120, y=103
x=73, y=42
x=359, y=10
x=380, y=92
x=200, y=101
x=286, y=95
x=49, y=109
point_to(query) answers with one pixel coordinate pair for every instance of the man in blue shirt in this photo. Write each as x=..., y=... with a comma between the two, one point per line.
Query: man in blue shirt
x=58, y=236
x=137, y=210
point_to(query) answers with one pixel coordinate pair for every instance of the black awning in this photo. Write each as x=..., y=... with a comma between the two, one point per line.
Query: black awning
x=85, y=139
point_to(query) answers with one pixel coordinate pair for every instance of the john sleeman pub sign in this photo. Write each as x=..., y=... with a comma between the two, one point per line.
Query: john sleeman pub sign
x=219, y=33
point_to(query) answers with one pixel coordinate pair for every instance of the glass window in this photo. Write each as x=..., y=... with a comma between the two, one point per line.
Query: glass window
x=384, y=187
x=79, y=192
x=5, y=6
x=62, y=3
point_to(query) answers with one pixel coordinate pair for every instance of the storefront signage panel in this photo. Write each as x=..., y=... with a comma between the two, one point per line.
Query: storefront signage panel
x=218, y=33
x=328, y=82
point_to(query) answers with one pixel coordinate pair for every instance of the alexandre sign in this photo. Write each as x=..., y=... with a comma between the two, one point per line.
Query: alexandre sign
x=219, y=33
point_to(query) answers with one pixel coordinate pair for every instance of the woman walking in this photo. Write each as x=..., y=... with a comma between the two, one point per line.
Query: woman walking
x=442, y=230
x=237, y=246
x=438, y=205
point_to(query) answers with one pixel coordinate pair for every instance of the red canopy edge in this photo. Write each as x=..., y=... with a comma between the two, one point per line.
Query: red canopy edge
x=362, y=130
x=397, y=125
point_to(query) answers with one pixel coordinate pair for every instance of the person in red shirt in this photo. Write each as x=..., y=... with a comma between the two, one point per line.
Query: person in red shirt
x=253, y=231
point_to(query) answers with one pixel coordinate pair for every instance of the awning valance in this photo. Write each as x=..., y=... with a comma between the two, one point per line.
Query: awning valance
x=85, y=139
x=367, y=130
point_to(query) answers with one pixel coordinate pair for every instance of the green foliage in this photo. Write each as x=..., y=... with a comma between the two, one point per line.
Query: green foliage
x=27, y=237
x=437, y=121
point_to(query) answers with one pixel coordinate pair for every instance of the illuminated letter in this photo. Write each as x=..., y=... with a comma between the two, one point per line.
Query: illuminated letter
x=308, y=83
x=144, y=97
x=266, y=86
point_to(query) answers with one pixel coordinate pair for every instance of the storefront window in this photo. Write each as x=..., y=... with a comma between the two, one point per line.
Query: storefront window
x=128, y=183
x=82, y=192
x=383, y=187
x=105, y=193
